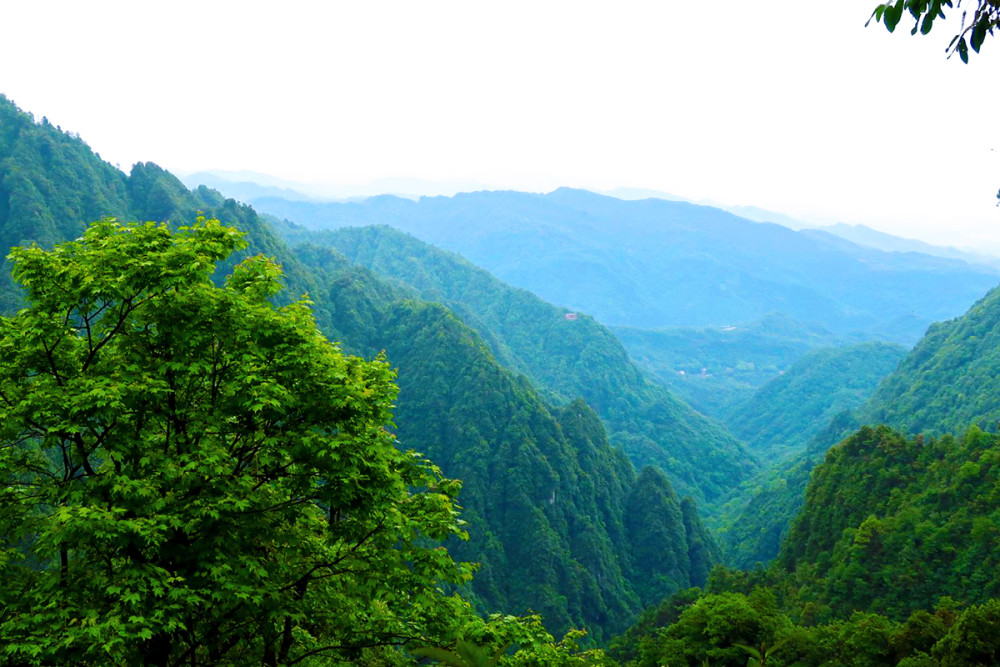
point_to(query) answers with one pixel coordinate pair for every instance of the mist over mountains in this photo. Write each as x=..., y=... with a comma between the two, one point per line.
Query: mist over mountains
x=655, y=263
x=634, y=393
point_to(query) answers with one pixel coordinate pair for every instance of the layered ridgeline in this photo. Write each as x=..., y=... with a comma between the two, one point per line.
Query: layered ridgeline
x=946, y=384
x=714, y=367
x=781, y=418
x=655, y=263
x=569, y=358
x=789, y=423
x=549, y=502
x=950, y=381
x=547, y=499
x=892, y=560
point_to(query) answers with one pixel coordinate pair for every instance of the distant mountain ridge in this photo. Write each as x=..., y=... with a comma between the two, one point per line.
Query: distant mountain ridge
x=654, y=263
x=872, y=238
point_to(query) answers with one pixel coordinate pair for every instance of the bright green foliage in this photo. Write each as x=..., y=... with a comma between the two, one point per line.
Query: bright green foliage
x=761, y=653
x=700, y=627
x=891, y=524
x=192, y=476
x=983, y=20
x=713, y=628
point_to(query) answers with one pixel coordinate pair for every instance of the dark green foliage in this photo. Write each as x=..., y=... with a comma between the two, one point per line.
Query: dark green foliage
x=50, y=186
x=568, y=358
x=973, y=640
x=703, y=553
x=984, y=20
x=653, y=523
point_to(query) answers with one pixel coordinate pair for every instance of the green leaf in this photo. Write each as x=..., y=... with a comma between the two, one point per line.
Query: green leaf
x=979, y=33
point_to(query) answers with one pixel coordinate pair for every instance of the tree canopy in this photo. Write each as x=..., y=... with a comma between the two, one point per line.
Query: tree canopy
x=191, y=475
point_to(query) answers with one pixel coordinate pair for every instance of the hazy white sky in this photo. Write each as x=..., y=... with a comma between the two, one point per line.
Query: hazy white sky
x=791, y=105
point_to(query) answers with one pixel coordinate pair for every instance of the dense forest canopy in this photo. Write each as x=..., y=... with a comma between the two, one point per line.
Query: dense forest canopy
x=566, y=358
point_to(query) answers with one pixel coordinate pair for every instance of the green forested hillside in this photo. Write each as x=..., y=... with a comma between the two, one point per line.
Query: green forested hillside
x=789, y=423
x=787, y=412
x=712, y=368
x=945, y=384
x=892, y=524
x=756, y=517
x=568, y=358
x=891, y=560
x=536, y=478
x=950, y=380
x=545, y=494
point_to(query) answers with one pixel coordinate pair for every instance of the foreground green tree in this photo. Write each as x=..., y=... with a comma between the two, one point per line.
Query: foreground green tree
x=189, y=475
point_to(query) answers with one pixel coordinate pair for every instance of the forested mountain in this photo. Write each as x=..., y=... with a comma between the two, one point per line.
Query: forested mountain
x=787, y=412
x=789, y=423
x=944, y=385
x=715, y=367
x=892, y=524
x=755, y=518
x=655, y=263
x=950, y=381
x=567, y=357
x=545, y=495
x=892, y=560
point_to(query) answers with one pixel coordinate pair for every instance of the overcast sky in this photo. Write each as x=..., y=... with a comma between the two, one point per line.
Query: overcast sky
x=790, y=105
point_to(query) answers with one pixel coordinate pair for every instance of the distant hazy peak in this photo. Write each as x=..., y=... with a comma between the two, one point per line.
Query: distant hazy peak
x=872, y=238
